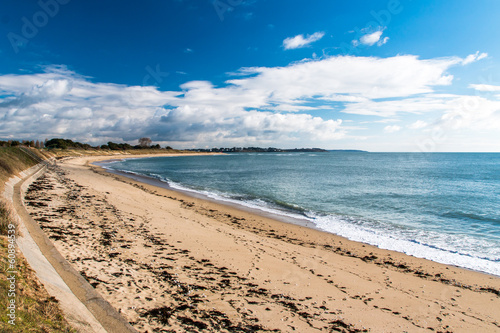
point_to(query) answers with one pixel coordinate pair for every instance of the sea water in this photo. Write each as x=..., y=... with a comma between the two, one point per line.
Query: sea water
x=440, y=206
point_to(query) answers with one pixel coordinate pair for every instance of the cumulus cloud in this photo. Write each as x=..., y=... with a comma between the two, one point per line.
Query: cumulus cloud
x=300, y=41
x=365, y=77
x=371, y=39
x=256, y=105
x=65, y=105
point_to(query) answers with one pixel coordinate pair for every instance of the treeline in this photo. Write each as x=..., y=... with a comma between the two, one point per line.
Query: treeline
x=27, y=143
x=58, y=143
x=259, y=150
x=126, y=146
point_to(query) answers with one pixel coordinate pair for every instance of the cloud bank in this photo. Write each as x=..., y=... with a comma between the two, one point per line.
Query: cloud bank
x=261, y=105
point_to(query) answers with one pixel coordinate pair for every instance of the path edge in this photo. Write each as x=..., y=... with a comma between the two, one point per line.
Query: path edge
x=84, y=308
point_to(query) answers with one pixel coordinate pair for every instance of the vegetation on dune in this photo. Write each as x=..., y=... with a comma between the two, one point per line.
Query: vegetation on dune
x=144, y=143
x=59, y=148
x=14, y=160
x=59, y=143
x=35, y=310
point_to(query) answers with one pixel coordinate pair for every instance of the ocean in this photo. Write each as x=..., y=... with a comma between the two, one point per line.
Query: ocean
x=440, y=206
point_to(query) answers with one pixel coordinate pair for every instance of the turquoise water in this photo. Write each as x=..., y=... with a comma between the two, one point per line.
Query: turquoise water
x=440, y=206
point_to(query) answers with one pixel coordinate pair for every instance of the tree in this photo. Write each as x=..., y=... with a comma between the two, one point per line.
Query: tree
x=113, y=146
x=59, y=143
x=145, y=142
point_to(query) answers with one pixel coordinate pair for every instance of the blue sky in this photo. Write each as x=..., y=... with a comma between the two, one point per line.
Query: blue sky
x=374, y=75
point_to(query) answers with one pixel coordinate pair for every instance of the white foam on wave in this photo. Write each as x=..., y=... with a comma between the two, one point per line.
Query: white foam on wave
x=257, y=204
x=443, y=248
x=408, y=246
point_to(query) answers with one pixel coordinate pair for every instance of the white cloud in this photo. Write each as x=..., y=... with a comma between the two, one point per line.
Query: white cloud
x=255, y=106
x=472, y=112
x=81, y=113
x=392, y=128
x=290, y=108
x=484, y=87
x=365, y=77
x=383, y=41
x=390, y=108
x=344, y=98
x=300, y=41
x=51, y=88
x=418, y=124
x=474, y=57
x=371, y=39
x=62, y=104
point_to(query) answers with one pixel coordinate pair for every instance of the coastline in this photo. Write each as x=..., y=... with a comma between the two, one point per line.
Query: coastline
x=250, y=269
x=285, y=218
x=405, y=227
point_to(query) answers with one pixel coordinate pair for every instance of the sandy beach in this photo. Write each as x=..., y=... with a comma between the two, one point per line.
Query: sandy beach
x=172, y=263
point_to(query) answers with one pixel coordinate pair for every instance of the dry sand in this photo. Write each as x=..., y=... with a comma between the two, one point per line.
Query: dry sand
x=172, y=263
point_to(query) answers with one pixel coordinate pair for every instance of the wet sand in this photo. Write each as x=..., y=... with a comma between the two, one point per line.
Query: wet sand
x=173, y=263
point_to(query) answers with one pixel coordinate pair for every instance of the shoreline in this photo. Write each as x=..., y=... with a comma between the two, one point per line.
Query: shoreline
x=251, y=269
x=146, y=180
x=193, y=194
x=272, y=213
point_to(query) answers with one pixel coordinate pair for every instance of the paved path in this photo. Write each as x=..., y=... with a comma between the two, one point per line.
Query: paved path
x=83, y=307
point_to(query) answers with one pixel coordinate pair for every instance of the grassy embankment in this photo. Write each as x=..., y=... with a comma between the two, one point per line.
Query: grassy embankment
x=101, y=152
x=35, y=311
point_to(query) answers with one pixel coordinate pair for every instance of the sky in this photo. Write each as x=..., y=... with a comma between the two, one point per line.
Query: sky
x=390, y=76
